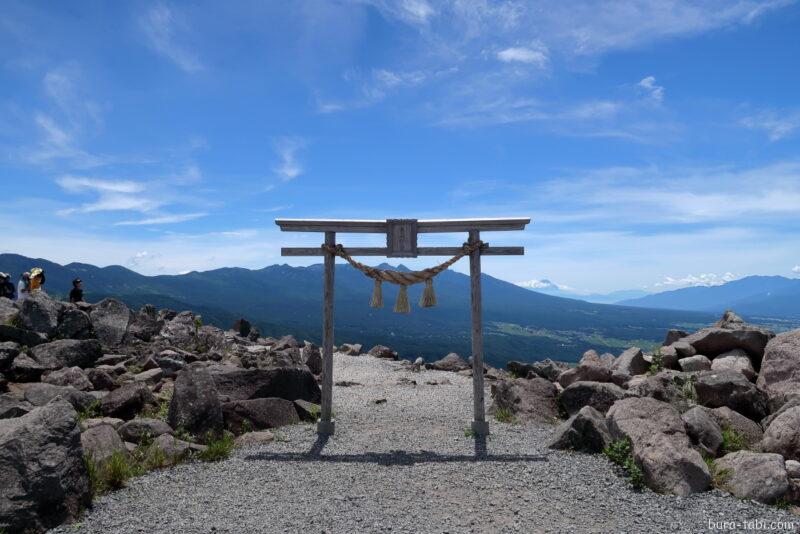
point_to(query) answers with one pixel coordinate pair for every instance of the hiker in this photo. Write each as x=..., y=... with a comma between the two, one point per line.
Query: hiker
x=37, y=279
x=6, y=287
x=76, y=295
x=24, y=286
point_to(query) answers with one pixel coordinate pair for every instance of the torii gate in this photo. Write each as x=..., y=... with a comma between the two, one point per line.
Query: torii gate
x=401, y=242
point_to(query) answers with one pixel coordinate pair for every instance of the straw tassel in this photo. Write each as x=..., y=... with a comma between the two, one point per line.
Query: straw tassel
x=377, y=295
x=402, y=305
x=428, y=299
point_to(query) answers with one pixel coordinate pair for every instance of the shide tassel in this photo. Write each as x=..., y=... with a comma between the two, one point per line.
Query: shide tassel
x=377, y=295
x=428, y=299
x=402, y=305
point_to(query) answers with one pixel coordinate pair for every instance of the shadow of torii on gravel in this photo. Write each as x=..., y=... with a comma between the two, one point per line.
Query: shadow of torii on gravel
x=396, y=457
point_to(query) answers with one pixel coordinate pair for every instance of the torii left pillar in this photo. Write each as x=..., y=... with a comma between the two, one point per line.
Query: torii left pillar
x=326, y=425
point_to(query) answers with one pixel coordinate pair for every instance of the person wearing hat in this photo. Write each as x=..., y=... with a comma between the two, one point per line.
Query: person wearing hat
x=76, y=295
x=37, y=279
x=6, y=287
x=24, y=286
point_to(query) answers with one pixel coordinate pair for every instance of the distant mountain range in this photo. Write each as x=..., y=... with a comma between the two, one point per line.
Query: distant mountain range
x=279, y=299
x=550, y=288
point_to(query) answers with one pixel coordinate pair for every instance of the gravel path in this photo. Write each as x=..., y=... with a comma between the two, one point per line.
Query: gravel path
x=405, y=465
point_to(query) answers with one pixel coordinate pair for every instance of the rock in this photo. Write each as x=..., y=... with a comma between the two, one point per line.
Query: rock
x=113, y=359
x=8, y=351
x=792, y=468
x=100, y=379
x=780, y=369
x=585, y=373
x=735, y=360
x=730, y=320
x=254, y=438
x=673, y=336
x=171, y=366
x=660, y=445
x=111, y=319
x=528, y=400
x=730, y=388
x=86, y=424
x=150, y=377
x=175, y=449
x=585, y=431
x=380, y=351
x=3, y=383
x=790, y=402
x=11, y=406
x=45, y=481
x=703, y=430
x=40, y=313
x=67, y=353
x=242, y=327
x=783, y=435
x=101, y=442
x=21, y=336
x=195, y=405
x=126, y=401
x=351, y=349
x=452, y=362
x=41, y=394
x=694, y=363
x=683, y=349
x=749, y=431
x=69, y=376
x=286, y=342
x=25, y=369
x=8, y=311
x=74, y=324
x=751, y=475
x=307, y=411
x=631, y=362
x=259, y=414
x=598, y=395
x=143, y=428
x=549, y=369
x=669, y=357
x=286, y=383
x=669, y=386
x=716, y=340
x=312, y=357
x=520, y=369
x=146, y=324
x=590, y=357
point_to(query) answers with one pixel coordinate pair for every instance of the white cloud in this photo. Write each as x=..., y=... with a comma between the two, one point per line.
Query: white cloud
x=542, y=284
x=111, y=195
x=160, y=26
x=796, y=269
x=162, y=219
x=653, y=91
x=777, y=124
x=520, y=54
x=141, y=258
x=289, y=166
x=690, y=280
x=76, y=184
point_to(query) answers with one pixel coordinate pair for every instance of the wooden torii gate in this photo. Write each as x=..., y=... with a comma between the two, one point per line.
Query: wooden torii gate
x=401, y=242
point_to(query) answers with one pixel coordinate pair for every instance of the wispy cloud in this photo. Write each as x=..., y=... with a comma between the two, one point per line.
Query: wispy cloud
x=651, y=90
x=777, y=124
x=521, y=54
x=274, y=209
x=796, y=269
x=691, y=280
x=160, y=26
x=289, y=166
x=163, y=219
x=373, y=87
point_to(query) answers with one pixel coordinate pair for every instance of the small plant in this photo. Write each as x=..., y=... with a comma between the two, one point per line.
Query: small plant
x=134, y=368
x=161, y=412
x=469, y=433
x=718, y=476
x=782, y=503
x=504, y=415
x=95, y=480
x=732, y=440
x=91, y=411
x=515, y=374
x=216, y=449
x=13, y=320
x=620, y=453
x=246, y=426
x=657, y=365
x=117, y=470
x=182, y=434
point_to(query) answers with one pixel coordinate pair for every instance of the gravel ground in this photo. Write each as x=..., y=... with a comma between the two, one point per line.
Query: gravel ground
x=405, y=465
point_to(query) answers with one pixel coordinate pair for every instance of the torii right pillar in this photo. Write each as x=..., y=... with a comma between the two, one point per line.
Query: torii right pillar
x=479, y=425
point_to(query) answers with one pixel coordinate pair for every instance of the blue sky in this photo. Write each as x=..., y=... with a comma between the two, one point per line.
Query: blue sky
x=655, y=144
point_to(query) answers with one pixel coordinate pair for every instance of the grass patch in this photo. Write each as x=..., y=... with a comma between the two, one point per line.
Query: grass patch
x=504, y=415
x=134, y=368
x=469, y=433
x=782, y=503
x=718, y=476
x=620, y=453
x=161, y=412
x=110, y=474
x=732, y=441
x=90, y=412
x=216, y=449
x=657, y=365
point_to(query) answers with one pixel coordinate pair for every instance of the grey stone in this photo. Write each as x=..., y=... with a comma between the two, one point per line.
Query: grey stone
x=792, y=468
x=598, y=395
x=585, y=431
x=111, y=320
x=381, y=351
x=69, y=376
x=25, y=369
x=703, y=429
x=673, y=336
x=631, y=362
x=8, y=311
x=312, y=357
x=308, y=411
x=100, y=379
x=715, y=340
x=730, y=388
x=782, y=436
x=41, y=394
x=694, y=363
x=67, y=353
x=142, y=428
x=127, y=400
x=735, y=360
x=101, y=442
x=780, y=369
x=757, y=476
x=176, y=449
x=549, y=369
x=8, y=351
x=351, y=349
x=21, y=336
x=255, y=438
x=287, y=383
x=150, y=377
x=86, y=424
x=259, y=414
x=532, y=399
x=748, y=430
x=683, y=349
x=40, y=313
x=145, y=324
x=452, y=362
x=11, y=406
x=673, y=387
x=74, y=324
x=585, y=373
x=195, y=405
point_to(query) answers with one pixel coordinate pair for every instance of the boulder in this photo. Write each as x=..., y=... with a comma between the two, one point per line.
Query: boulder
x=717, y=340
x=751, y=475
x=286, y=342
x=195, y=405
x=598, y=395
x=590, y=357
x=549, y=369
x=792, y=468
x=730, y=388
x=44, y=478
x=242, y=327
x=259, y=414
x=780, y=369
x=86, y=424
x=673, y=336
x=143, y=428
x=254, y=438
x=69, y=376
x=307, y=411
x=111, y=319
x=683, y=349
x=669, y=357
x=67, y=353
x=532, y=399
x=113, y=359
x=25, y=369
x=659, y=445
x=749, y=431
x=452, y=362
x=631, y=362
x=783, y=435
x=668, y=386
x=170, y=365
x=74, y=324
x=21, y=336
x=312, y=357
x=40, y=313
x=100, y=379
x=175, y=449
x=41, y=394
x=790, y=402
x=11, y=406
x=585, y=373
x=351, y=349
x=101, y=442
x=8, y=311
x=694, y=363
x=703, y=430
x=150, y=377
x=735, y=360
x=380, y=351
x=286, y=383
x=128, y=400
x=8, y=351
x=586, y=431
x=145, y=324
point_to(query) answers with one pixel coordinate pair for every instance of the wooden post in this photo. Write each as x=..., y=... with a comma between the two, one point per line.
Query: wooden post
x=325, y=425
x=479, y=426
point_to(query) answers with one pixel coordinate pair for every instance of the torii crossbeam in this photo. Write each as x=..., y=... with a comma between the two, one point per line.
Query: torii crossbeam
x=401, y=242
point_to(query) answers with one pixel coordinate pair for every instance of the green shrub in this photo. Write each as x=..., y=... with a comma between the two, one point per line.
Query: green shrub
x=504, y=415
x=216, y=449
x=96, y=486
x=718, y=476
x=620, y=453
x=469, y=433
x=732, y=441
x=91, y=411
x=160, y=412
x=657, y=365
x=117, y=470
